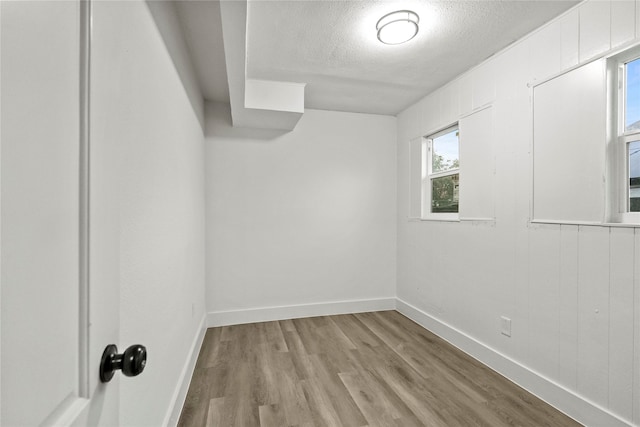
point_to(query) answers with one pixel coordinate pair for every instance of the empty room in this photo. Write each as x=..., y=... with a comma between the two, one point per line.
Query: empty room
x=319, y=213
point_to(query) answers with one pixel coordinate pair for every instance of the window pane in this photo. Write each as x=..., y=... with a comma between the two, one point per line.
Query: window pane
x=445, y=152
x=444, y=193
x=632, y=96
x=634, y=176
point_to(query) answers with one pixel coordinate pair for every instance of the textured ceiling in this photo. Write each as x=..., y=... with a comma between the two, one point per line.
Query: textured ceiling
x=331, y=45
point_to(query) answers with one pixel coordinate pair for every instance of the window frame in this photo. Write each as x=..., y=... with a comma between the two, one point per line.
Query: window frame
x=428, y=175
x=621, y=138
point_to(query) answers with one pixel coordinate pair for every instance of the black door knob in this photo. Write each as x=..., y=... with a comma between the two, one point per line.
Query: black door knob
x=131, y=362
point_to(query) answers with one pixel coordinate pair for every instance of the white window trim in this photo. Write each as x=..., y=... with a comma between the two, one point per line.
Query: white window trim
x=623, y=178
x=428, y=175
x=618, y=162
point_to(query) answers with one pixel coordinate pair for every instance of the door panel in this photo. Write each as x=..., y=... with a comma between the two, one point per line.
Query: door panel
x=49, y=370
x=39, y=209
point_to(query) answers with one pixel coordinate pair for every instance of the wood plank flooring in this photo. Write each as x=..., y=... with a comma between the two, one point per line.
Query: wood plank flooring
x=369, y=369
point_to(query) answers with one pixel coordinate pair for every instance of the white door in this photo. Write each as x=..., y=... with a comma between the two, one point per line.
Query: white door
x=59, y=230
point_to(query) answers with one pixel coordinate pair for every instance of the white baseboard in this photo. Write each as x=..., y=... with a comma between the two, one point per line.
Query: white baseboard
x=575, y=406
x=267, y=314
x=182, y=387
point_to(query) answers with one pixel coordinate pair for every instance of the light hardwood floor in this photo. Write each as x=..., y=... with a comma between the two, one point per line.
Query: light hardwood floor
x=369, y=369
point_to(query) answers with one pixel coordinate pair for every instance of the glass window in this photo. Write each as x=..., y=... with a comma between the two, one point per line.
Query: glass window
x=441, y=183
x=444, y=194
x=445, y=152
x=626, y=164
x=632, y=96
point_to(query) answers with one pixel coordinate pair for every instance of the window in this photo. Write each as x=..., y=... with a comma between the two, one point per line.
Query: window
x=438, y=188
x=627, y=140
x=441, y=176
x=631, y=139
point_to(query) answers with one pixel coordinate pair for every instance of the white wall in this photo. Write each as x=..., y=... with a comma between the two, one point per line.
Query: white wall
x=571, y=291
x=166, y=19
x=146, y=111
x=306, y=217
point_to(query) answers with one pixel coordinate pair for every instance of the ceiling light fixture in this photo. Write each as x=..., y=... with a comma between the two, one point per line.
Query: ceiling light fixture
x=398, y=27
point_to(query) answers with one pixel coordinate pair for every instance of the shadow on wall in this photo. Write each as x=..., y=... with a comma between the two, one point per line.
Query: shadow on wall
x=165, y=18
x=218, y=123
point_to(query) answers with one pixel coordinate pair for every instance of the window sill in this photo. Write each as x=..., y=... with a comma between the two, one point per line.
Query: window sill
x=453, y=219
x=588, y=223
x=621, y=224
x=435, y=219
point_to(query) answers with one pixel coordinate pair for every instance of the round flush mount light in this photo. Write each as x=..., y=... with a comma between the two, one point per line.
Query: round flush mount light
x=398, y=27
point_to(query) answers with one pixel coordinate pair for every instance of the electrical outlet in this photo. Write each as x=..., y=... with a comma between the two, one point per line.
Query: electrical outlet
x=505, y=326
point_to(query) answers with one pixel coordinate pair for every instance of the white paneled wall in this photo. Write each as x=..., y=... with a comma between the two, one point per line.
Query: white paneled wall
x=569, y=115
x=572, y=291
x=621, y=271
x=595, y=28
x=636, y=334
